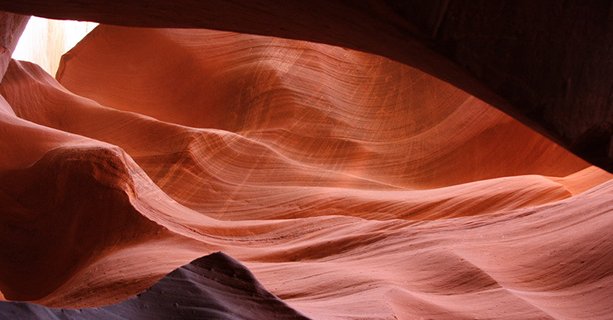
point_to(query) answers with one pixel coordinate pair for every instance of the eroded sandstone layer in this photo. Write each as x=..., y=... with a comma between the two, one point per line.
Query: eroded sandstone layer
x=351, y=185
x=550, y=59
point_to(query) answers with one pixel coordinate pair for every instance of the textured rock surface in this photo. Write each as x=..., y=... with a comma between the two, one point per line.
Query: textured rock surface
x=11, y=27
x=550, y=59
x=212, y=287
x=352, y=186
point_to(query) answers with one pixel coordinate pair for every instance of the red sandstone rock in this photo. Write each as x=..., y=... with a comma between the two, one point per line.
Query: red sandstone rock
x=549, y=59
x=349, y=184
x=11, y=27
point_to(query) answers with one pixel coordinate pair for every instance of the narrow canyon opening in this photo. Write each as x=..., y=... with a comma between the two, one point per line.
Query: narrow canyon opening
x=44, y=41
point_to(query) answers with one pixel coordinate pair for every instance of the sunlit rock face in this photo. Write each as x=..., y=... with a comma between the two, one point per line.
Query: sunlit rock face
x=352, y=186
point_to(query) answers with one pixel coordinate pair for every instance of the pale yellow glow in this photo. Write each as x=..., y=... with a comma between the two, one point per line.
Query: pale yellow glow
x=44, y=41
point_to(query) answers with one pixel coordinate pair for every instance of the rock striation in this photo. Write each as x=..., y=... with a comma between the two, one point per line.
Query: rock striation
x=351, y=185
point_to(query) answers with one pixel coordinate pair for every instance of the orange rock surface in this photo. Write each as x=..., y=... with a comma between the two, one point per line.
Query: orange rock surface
x=352, y=186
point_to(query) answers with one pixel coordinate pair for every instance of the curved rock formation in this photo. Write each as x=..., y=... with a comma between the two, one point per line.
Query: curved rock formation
x=351, y=185
x=550, y=59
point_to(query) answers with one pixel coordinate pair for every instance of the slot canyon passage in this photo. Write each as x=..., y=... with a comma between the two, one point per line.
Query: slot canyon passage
x=191, y=173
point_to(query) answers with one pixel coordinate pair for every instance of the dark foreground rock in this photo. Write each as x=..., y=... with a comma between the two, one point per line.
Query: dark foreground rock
x=211, y=287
